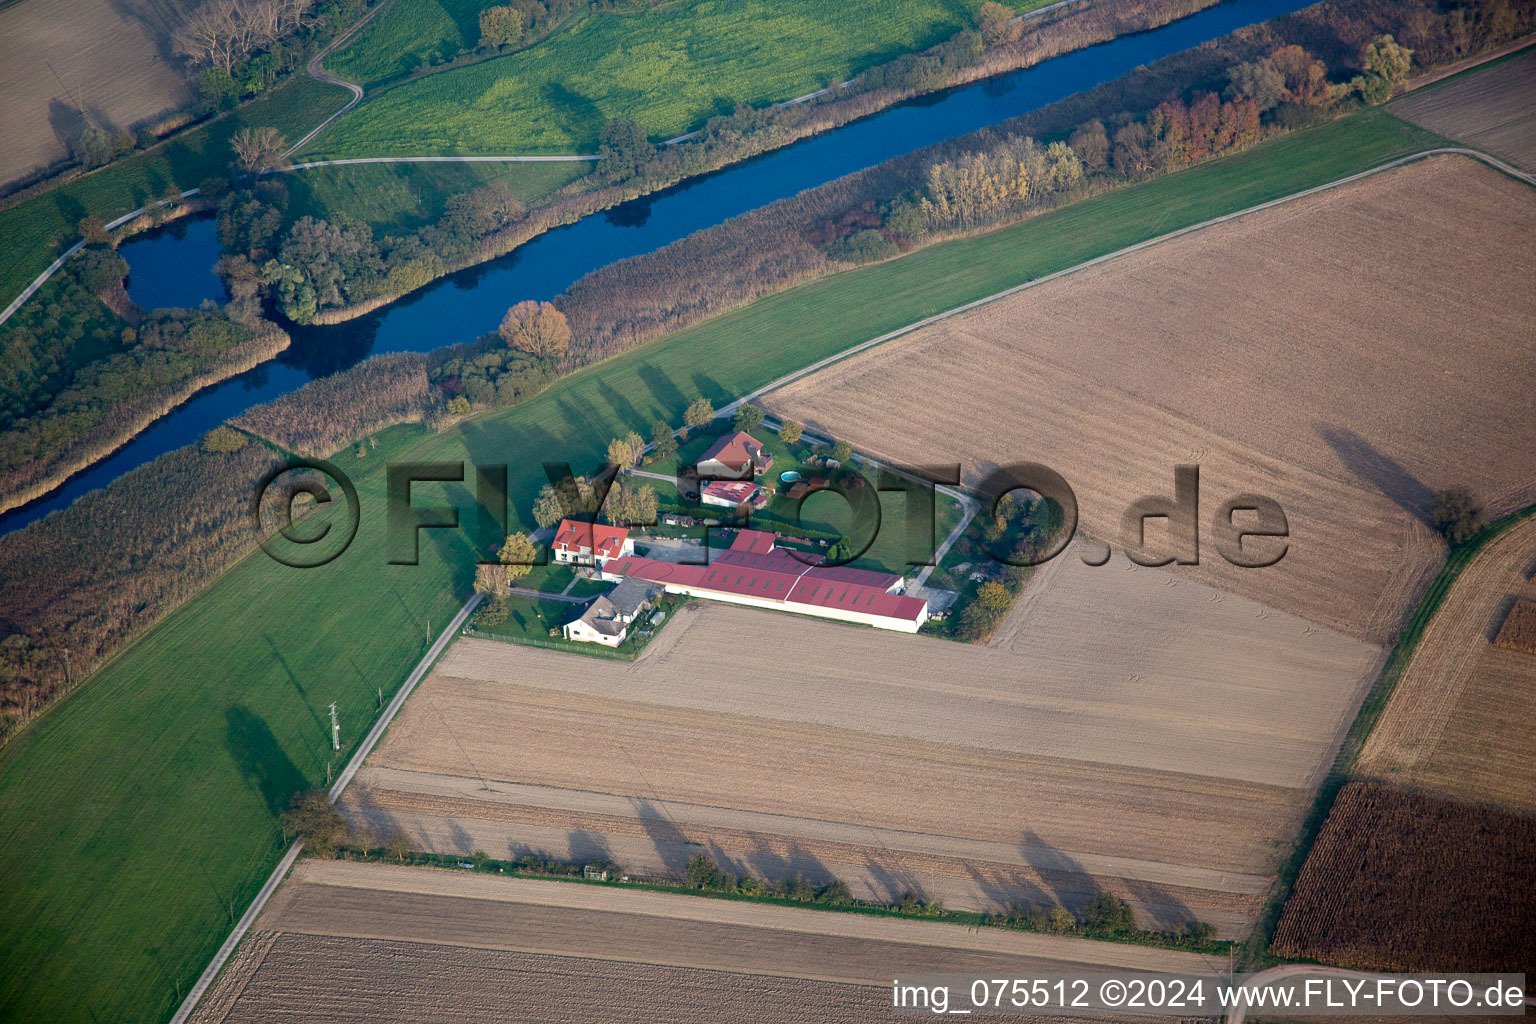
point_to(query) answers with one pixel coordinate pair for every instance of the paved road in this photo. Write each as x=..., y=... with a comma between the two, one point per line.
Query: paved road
x=437, y=647
x=316, y=70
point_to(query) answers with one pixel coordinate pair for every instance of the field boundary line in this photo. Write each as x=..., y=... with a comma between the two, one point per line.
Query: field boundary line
x=1097, y=261
x=211, y=972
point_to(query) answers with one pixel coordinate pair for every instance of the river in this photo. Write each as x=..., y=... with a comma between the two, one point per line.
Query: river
x=173, y=266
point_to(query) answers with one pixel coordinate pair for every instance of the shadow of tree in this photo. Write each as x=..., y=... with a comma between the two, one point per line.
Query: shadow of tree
x=260, y=758
x=1381, y=471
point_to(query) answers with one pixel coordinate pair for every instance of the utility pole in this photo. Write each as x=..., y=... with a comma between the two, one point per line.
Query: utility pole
x=335, y=729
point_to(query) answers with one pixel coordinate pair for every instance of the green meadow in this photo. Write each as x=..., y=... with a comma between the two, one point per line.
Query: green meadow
x=140, y=814
x=396, y=199
x=669, y=67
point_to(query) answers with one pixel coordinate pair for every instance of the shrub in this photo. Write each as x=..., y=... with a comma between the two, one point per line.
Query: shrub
x=223, y=440
x=1456, y=513
x=1107, y=912
x=866, y=246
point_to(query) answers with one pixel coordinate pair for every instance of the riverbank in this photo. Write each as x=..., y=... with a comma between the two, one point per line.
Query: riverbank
x=1059, y=31
x=175, y=682
x=36, y=478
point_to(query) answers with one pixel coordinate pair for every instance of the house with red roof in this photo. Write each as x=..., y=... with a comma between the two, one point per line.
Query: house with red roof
x=737, y=456
x=580, y=543
x=757, y=573
x=733, y=494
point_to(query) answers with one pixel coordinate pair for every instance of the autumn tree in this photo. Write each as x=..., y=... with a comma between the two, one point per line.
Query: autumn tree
x=622, y=454
x=699, y=413
x=501, y=26
x=258, y=149
x=789, y=431
x=577, y=500
x=998, y=24
x=397, y=846
x=994, y=598
x=92, y=147
x=1306, y=77
x=842, y=451
x=1386, y=64
x=1091, y=144
x=632, y=504
x=313, y=818
x=1257, y=80
x=1383, y=56
x=93, y=231
x=514, y=561
x=537, y=328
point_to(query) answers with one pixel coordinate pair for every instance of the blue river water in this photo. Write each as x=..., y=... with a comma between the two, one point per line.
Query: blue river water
x=171, y=270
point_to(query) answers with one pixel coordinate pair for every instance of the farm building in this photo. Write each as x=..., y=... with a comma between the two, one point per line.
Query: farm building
x=733, y=494
x=757, y=573
x=737, y=456
x=606, y=620
x=579, y=543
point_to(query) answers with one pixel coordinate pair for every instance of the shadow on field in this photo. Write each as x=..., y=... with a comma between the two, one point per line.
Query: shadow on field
x=260, y=759
x=1381, y=471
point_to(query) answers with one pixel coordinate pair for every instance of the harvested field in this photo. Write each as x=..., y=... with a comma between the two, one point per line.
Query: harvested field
x=112, y=59
x=1345, y=354
x=1459, y=719
x=1408, y=881
x=347, y=942
x=1163, y=761
x=1519, y=630
x=1493, y=110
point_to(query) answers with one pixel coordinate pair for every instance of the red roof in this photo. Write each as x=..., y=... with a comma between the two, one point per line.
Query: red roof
x=758, y=542
x=735, y=450
x=734, y=491
x=575, y=535
x=773, y=574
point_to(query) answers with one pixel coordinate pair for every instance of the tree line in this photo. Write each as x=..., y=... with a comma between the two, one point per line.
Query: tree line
x=351, y=271
x=1258, y=82
x=49, y=596
x=85, y=376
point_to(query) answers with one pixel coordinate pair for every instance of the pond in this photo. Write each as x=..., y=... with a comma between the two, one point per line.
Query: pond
x=172, y=266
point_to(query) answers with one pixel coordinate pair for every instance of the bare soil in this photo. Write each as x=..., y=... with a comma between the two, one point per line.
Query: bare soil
x=59, y=57
x=1493, y=110
x=1116, y=736
x=1459, y=721
x=367, y=942
x=1345, y=354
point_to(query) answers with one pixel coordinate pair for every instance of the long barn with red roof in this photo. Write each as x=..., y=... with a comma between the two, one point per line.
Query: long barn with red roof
x=757, y=573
